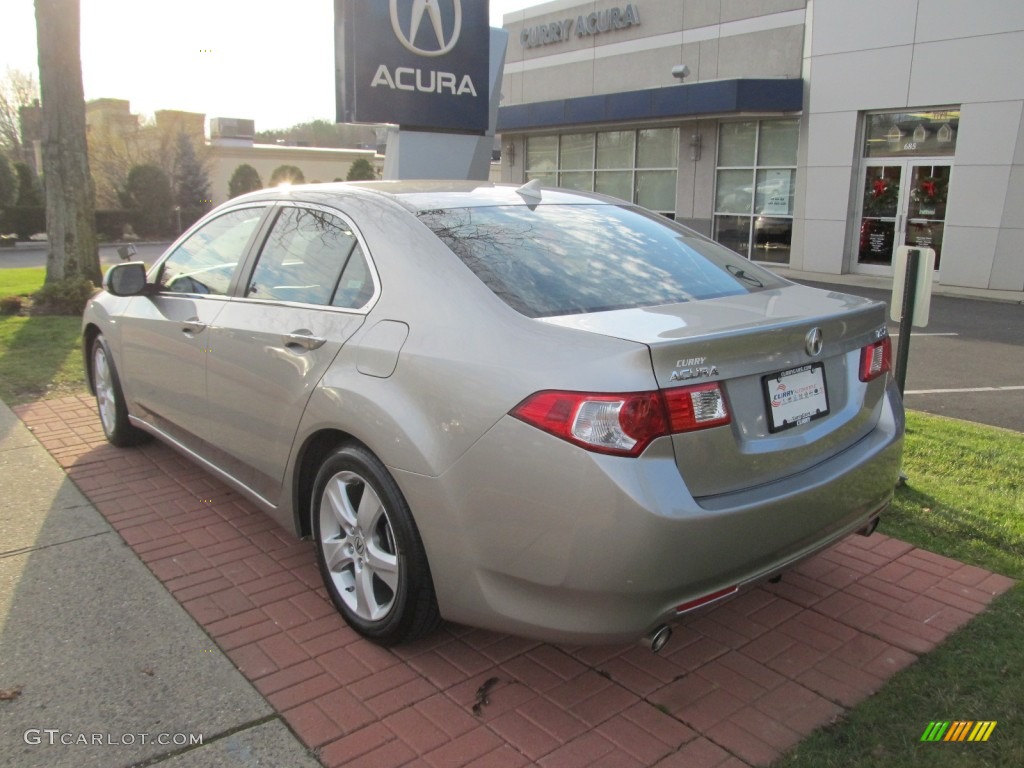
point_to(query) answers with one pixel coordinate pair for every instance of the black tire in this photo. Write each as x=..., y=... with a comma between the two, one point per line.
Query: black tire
x=369, y=550
x=110, y=398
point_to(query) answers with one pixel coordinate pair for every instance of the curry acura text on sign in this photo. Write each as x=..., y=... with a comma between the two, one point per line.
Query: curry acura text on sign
x=584, y=25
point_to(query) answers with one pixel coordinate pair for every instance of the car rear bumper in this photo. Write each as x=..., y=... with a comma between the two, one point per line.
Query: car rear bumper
x=564, y=545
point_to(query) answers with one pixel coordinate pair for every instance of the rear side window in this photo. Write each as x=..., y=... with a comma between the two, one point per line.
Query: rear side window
x=312, y=257
x=570, y=259
x=355, y=287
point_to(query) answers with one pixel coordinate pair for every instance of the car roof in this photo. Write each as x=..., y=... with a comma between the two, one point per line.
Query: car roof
x=420, y=195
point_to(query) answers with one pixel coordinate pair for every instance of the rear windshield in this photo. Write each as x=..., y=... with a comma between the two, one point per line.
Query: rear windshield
x=570, y=259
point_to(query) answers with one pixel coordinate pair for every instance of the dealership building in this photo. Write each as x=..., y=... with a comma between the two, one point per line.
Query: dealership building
x=813, y=135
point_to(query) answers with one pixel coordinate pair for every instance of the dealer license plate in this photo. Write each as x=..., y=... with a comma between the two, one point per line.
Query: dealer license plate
x=796, y=396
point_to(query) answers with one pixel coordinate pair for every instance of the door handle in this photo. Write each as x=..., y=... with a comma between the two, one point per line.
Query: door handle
x=303, y=339
x=193, y=325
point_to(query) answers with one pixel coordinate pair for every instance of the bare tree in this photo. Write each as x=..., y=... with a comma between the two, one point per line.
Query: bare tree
x=113, y=152
x=118, y=145
x=18, y=89
x=70, y=197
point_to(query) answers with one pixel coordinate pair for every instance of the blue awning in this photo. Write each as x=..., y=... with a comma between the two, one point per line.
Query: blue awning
x=717, y=97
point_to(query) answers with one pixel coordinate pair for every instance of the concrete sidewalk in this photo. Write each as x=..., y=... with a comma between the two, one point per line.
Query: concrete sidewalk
x=99, y=664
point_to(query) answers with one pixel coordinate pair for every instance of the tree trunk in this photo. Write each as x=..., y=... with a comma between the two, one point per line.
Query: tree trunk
x=70, y=196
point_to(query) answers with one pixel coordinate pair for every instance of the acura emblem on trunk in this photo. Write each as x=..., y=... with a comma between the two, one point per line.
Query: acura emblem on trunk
x=812, y=342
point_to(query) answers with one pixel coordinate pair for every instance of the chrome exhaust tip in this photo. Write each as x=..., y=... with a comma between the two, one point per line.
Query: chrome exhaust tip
x=656, y=639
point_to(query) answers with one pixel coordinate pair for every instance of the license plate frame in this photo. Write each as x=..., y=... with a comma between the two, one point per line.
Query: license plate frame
x=795, y=396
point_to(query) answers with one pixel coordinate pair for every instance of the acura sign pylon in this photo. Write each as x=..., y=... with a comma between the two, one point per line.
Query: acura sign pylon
x=430, y=67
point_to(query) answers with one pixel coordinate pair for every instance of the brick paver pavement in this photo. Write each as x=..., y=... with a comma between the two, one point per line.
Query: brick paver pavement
x=737, y=685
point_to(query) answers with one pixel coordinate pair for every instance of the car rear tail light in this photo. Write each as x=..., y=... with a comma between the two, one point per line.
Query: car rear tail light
x=876, y=359
x=623, y=424
x=698, y=407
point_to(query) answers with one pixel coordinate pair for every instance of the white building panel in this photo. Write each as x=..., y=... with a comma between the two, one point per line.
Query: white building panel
x=831, y=138
x=988, y=133
x=1008, y=267
x=975, y=248
x=976, y=195
x=987, y=68
x=842, y=26
x=874, y=79
x=936, y=18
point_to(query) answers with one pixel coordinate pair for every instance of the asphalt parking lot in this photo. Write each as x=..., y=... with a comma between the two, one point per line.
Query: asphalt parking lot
x=968, y=363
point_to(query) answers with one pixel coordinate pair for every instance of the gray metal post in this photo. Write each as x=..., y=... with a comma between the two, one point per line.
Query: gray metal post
x=907, y=316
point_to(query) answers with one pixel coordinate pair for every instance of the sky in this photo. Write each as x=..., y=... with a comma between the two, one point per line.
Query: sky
x=270, y=62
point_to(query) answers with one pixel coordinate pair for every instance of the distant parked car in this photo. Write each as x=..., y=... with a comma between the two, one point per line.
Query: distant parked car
x=536, y=411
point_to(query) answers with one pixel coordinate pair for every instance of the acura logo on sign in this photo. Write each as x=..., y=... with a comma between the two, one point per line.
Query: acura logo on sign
x=437, y=40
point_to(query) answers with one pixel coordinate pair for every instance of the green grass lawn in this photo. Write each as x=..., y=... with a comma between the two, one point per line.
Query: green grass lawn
x=964, y=499
x=40, y=358
x=39, y=354
x=21, y=281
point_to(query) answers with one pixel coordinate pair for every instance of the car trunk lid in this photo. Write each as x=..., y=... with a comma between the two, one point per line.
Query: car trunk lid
x=795, y=347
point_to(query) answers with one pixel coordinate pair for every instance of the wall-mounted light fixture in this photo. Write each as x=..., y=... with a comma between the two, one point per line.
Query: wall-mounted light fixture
x=680, y=72
x=695, y=142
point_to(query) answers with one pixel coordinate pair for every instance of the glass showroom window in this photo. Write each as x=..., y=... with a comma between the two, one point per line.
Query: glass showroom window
x=754, y=188
x=542, y=159
x=638, y=166
x=576, y=161
x=656, y=163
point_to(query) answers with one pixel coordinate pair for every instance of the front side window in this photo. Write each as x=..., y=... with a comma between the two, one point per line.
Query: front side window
x=311, y=257
x=568, y=259
x=206, y=261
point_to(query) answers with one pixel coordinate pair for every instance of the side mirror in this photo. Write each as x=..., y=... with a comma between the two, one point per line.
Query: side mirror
x=128, y=279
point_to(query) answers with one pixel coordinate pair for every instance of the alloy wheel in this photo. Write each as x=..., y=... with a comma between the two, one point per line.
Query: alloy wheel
x=358, y=545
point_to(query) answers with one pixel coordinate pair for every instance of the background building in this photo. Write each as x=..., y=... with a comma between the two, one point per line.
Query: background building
x=810, y=134
x=118, y=140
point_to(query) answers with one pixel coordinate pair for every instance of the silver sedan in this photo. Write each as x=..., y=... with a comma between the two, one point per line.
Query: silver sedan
x=535, y=411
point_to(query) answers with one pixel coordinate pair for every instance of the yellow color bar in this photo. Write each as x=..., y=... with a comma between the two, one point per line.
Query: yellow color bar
x=982, y=730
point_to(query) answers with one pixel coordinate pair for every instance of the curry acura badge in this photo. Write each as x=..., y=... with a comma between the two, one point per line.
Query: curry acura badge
x=693, y=368
x=431, y=9
x=813, y=342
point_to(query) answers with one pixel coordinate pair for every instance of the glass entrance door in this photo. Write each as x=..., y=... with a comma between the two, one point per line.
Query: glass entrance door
x=926, y=206
x=903, y=202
